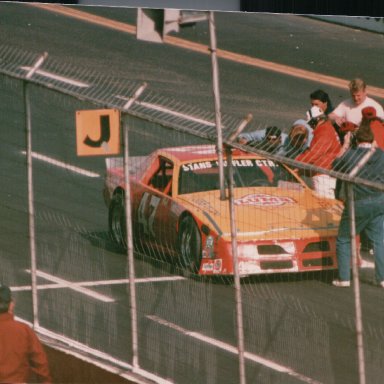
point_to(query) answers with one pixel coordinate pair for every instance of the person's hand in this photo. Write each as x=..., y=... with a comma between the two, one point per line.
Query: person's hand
x=337, y=119
x=347, y=140
x=346, y=144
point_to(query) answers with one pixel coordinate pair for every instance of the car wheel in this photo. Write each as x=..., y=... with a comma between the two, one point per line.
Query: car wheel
x=189, y=244
x=117, y=225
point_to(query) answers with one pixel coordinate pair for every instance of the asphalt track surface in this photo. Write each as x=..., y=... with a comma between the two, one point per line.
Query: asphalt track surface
x=274, y=96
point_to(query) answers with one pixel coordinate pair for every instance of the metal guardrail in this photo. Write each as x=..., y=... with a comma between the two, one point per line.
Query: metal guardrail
x=110, y=92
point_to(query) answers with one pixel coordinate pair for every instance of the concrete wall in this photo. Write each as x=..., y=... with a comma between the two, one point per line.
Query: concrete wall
x=67, y=369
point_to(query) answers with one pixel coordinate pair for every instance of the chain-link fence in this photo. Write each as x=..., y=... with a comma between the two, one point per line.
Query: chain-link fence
x=145, y=275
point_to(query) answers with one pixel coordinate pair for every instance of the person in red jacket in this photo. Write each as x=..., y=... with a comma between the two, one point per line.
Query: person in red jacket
x=21, y=353
x=324, y=148
x=376, y=124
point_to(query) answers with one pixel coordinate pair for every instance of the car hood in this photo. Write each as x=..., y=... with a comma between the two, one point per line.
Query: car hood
x=266, y=213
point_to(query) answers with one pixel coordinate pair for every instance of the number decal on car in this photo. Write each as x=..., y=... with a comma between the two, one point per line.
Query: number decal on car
x=147, y=211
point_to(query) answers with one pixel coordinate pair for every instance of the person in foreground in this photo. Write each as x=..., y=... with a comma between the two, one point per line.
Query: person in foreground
x=21, y=353
x=368, y=202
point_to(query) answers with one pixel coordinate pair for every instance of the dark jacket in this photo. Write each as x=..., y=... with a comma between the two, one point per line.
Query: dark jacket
x=373, y=170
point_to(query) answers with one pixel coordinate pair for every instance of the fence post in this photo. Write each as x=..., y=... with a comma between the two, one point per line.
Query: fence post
x=239, y=304
x=130, y=256
x=216, y=94
x=31, y=207
x=128, y=226
x=356, y=285
x=355, y=270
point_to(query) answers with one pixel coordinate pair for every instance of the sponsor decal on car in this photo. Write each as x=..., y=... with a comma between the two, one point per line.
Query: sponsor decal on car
x=207, y=266
x=262, y=199
x=205, y=205
x=213, y=266
x=217, y=265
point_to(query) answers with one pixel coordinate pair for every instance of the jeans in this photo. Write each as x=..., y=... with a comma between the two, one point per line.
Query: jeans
x=369, y=216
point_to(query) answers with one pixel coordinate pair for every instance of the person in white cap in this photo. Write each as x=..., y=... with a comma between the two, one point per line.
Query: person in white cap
x=21, y=353
x=323, y=149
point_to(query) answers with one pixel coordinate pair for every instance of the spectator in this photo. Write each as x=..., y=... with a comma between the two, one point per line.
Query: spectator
x=320, y=98
x=21, y=353
x=376, y=124
x=298, y=140
x=270, y=139
x=377, y=127
x=350, y=109
x=368, y=202
x=323, y=149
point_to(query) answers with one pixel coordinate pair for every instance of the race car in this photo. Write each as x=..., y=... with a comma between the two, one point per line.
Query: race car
x=177, y=210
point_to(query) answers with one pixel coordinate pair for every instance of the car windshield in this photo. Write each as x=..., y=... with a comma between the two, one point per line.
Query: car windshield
x=247, y=172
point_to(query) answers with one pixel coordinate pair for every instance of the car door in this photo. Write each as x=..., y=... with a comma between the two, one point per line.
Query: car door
x=155, y=222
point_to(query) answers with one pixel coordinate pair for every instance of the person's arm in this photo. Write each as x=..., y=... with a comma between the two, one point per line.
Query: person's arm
x=346, y=144
x=338, y=114
x=248, y=137
x=38, y=359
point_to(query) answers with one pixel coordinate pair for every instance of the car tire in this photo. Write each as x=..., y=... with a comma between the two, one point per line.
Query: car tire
x=116, y=220
x=189, y=244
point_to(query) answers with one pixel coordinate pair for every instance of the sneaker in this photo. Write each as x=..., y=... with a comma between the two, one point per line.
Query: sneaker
x=381, y=284
x=344, y=283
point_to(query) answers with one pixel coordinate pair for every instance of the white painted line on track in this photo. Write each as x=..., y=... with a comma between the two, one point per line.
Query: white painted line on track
x=63, y=165
x=96, y=283
x=137, y=281
x=53, y=76
x=74, y=286
x=229, y=348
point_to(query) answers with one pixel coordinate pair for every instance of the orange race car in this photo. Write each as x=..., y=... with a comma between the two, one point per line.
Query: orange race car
x=177, y=211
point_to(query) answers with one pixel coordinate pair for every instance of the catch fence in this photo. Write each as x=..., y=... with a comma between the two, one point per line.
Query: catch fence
x=133, y=306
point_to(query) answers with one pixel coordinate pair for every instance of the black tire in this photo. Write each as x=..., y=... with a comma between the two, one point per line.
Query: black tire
x=189, y=244
x=116, y=220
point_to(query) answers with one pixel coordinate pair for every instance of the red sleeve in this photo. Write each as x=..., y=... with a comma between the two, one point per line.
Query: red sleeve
x=38, y=359
x=316, y=149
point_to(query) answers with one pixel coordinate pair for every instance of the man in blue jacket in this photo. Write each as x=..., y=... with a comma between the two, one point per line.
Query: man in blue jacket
x=369, y=202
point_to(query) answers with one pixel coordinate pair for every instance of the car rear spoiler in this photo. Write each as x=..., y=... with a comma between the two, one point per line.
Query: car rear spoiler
x=135, y=163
